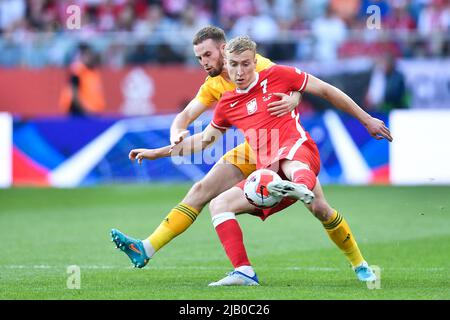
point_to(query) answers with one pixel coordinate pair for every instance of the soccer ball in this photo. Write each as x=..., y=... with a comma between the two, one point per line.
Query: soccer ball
x=255, y=188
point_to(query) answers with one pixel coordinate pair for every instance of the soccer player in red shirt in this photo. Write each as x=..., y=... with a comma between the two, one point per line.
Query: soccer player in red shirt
x=280, y=144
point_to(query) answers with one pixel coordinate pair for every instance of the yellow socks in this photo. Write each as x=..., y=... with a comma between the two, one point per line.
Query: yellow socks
x=339, y=231
x=175, y=223
x=183, y=215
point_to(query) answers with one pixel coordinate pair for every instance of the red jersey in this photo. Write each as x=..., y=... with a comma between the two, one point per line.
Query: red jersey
x=272, y=138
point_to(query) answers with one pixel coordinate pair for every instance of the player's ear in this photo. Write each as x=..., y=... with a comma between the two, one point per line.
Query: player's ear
x=224, y=55
x=222, y=48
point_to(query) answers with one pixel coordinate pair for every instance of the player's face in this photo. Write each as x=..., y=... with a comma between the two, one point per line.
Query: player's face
x=209, y=55
x=241, y=68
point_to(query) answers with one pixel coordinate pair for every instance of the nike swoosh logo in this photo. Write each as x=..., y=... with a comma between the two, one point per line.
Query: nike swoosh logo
x=132, y=247
x=233, y=104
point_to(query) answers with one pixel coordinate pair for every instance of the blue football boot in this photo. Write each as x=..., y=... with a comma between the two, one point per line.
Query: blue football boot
x=132, y=247
x=364, y=272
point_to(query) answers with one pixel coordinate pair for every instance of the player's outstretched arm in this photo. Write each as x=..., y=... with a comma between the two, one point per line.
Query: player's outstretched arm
x=149, y=154
x=192, y=144
x=197, y=142
x=178, y=129
x=342, y=101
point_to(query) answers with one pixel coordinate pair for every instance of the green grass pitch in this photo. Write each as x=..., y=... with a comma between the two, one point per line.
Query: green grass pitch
x=403, y=230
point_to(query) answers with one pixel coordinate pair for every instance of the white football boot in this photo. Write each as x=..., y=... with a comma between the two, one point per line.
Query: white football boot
x=236, y=278
x=290, y=189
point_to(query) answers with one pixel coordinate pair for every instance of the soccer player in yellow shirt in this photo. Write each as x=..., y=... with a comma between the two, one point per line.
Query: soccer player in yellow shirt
x=235, y=165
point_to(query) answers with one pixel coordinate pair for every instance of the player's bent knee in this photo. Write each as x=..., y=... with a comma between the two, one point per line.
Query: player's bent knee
x=218, y=205
x=208, y=188
x=202, y=191
x=197, y=188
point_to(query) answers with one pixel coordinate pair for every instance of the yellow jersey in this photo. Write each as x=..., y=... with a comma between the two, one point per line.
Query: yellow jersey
x=212, y=89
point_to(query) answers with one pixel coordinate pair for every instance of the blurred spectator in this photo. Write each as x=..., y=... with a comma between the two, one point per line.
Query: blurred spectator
x=284, y=48
x=83, y=95
x=127, y=17
x=42, y=14
x=165, y=54
x=435, y=17
x=192, y=19
x=107, y=15
x=174, y=8
x=400, y=19
x=153, y=21
x=347, y=10
x=144, y=31
x=434, y=24
x=230, y=11
x=387, y=89
x=161, y=34
x=284, y=11
x=261, y=27
x=140, y=54
x=311, y=9
x=329, y=31
x=11, y=11
x=10, y=51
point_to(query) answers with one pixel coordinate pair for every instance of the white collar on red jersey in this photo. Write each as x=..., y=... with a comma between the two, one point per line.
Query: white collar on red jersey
x=251, y=85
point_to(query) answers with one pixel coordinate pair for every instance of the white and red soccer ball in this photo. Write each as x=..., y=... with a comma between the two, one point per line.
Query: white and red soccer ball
x=255, y=188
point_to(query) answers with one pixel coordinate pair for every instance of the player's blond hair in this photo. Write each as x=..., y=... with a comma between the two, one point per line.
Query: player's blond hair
x=240, y=44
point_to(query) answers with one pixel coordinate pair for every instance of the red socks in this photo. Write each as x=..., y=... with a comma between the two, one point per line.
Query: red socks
x=230, y=234
x=306, y=177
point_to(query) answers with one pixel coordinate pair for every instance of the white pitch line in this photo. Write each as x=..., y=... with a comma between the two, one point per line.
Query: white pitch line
x=292, y=268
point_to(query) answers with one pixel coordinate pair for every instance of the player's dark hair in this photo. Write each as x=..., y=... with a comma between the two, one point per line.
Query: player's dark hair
x=209, y=32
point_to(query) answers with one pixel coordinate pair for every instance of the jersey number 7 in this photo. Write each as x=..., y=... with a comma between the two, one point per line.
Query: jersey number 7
x=263, y=84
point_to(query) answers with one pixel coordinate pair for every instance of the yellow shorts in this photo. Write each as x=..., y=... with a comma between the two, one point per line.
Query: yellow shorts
x=242, y=157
